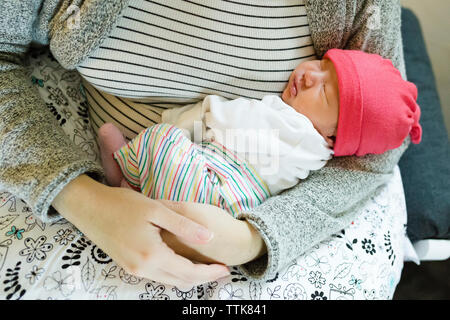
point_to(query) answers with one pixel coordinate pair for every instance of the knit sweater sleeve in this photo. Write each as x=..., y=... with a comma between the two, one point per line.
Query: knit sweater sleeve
x=376, y=28
x=329, y=199
x=37, y=159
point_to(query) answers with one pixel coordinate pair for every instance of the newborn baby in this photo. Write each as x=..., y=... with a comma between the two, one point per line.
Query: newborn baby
x=245, y=150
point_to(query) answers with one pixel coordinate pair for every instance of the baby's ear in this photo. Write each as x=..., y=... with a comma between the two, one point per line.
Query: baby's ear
x=330, y=140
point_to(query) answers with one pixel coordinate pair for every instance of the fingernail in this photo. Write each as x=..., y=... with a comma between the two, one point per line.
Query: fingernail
x=204, y=234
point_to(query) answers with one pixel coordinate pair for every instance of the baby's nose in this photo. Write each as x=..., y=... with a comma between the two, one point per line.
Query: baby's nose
x=311, y=78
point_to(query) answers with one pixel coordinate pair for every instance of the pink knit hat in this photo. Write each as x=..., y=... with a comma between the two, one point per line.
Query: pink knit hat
x=377, y=108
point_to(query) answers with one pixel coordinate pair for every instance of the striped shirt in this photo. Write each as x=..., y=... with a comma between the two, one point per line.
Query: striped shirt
x=167, y=53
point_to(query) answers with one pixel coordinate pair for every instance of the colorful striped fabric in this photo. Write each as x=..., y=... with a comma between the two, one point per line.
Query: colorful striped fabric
x=163, y=164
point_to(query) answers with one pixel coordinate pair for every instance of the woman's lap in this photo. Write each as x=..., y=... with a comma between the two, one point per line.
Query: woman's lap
x=55, y=261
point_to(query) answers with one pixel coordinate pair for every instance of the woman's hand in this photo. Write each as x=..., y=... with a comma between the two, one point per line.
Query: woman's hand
x=127, y=225
x=235, y=241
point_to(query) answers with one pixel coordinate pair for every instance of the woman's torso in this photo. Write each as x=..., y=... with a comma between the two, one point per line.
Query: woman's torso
x=162, y=54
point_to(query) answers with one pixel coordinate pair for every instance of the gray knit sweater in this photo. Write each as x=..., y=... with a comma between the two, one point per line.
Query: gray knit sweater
x=37, y=159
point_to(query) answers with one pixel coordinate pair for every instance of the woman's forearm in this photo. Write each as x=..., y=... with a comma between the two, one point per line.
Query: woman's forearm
x=326, y=202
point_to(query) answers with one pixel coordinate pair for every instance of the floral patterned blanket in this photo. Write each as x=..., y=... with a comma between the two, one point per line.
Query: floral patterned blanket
x=56, y=261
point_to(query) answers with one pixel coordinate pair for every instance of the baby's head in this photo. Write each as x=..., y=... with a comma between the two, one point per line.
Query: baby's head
x=357, y=101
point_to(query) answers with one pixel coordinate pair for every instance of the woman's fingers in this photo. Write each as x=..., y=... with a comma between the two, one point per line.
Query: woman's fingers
x=168, y=278
x=190, y=273
x=165, y=266
x=180, y=226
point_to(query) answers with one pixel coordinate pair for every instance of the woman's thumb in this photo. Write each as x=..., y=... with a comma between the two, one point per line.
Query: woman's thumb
x=179, y=225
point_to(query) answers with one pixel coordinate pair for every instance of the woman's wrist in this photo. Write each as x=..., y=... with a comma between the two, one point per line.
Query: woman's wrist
x=75, y=196
x=254, y=242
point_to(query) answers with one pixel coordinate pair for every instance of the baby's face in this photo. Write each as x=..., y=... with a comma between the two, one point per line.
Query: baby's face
x=313, y=91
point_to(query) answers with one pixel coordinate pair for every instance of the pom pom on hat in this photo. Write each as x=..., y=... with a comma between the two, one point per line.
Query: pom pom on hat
x=377, y=107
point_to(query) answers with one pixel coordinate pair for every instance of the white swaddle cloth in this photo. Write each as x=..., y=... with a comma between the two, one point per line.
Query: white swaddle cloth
x=281, y=144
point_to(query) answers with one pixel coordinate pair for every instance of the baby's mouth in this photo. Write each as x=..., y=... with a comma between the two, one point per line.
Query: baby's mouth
x=293, y=89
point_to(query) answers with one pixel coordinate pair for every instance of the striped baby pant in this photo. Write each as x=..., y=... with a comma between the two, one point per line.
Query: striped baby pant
x=164, y=164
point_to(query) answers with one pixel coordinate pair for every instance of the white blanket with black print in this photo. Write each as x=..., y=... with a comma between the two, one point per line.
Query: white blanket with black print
x=56, y=261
